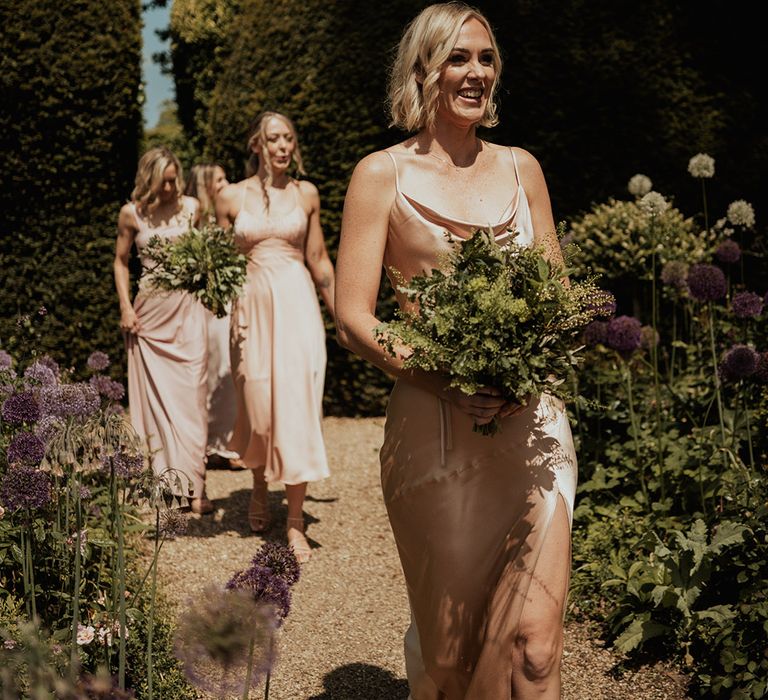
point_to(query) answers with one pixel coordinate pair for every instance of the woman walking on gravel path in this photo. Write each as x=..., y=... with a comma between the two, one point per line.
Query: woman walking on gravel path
x=206, y=180
x=277, y=337
x=165, y=335
x=482, y=524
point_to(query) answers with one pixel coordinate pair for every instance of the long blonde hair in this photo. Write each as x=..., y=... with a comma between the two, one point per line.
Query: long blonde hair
x=424, y=47
x=257, y=150
x=149, y=177
x=200, y=185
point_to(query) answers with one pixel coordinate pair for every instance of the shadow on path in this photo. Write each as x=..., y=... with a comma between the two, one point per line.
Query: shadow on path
x=362, y=682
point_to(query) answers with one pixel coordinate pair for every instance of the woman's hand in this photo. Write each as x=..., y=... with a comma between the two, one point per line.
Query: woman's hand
x=129, y=321
x=482, y=406
x=511, y=408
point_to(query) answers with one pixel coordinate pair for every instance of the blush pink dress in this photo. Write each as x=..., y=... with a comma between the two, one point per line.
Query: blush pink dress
x=278, y=350
x=469, y=512
x=167, y=372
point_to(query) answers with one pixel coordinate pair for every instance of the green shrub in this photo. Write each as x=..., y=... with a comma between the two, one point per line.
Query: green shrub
x=69, y=126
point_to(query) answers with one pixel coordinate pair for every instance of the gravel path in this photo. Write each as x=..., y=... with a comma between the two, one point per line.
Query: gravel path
x=343, y=637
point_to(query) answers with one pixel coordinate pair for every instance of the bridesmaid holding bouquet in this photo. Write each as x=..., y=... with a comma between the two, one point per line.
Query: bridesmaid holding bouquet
x=165, y=335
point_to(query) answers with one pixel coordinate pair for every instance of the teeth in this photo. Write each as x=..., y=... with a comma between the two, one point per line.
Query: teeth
x=470, y=93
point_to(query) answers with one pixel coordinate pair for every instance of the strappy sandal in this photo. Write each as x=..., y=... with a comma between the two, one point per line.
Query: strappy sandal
x=258, y=509
x=297, y=543
x=201, y=506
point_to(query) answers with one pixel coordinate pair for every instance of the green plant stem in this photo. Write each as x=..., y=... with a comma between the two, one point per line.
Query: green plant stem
x=749, y=434
x=633, y=423
x=75, y=488
x=249, y=669
x=152, y=598
x=716, y=378
x=121, y=590
x=25, y=568
x=704, y=200
x=266, y=685
x=656, y=385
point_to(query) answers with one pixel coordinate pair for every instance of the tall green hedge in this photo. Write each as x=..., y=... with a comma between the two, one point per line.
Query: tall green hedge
x=597, y=91
x=70, y=119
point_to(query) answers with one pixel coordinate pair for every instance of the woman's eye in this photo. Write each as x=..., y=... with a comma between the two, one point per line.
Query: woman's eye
x=456, y=58
x=487, y=59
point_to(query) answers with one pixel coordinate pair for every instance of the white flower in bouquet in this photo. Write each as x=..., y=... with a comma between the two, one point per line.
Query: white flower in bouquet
x=653, y=204
x=701, y=166
x=639, y=185
x=741, y=213
x=85, y=634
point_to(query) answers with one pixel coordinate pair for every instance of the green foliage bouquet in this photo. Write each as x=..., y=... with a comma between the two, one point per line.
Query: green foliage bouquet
x=498, y=317
x=203, y=261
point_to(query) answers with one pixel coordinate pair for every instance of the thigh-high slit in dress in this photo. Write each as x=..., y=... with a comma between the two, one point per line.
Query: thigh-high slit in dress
x=470, y=513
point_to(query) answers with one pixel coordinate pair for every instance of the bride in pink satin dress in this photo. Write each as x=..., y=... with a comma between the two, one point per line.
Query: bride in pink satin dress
x=482, y=524
x=277, y=340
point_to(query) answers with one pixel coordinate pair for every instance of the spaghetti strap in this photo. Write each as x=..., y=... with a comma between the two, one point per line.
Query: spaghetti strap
x=514, y=160
x=397, y=175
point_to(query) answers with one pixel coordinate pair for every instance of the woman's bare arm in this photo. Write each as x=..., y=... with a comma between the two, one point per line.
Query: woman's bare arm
x=316, y=254
x=126, y=233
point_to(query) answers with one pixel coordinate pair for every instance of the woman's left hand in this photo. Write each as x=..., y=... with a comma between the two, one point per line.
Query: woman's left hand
x=511, y=408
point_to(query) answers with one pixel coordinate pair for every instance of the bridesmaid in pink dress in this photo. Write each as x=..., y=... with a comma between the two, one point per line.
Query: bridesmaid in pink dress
x=165, y=335
x=277, y=336
x=482, y=524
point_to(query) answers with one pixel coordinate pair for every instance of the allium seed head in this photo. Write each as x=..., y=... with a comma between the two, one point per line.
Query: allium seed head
x=25, y=448
x=595, y=333
x=702, y=166
x=25, y=487
x=741, y=213
x=739, y=362
x=675, y=274
x=21, y=407
x=624, y=334
x=653, y=204
x=280, y=560
x=639, y=185
x=728, y=252
x=98, y=361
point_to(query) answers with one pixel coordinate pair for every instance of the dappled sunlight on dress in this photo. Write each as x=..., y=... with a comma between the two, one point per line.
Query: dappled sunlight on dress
x=278, y=350
x=469, y=513
x=167, y=372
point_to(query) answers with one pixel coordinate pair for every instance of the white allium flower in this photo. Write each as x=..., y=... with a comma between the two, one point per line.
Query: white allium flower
x=639, y=185
x=85, y=634
x=702, y=166
x=741, y=213
x=653, y=204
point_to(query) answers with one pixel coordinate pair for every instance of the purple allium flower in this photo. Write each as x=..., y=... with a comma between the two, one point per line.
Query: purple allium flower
x=25, y=487
x=21, y=407
x=98, y=361
x=50, y=363
x=649, y=338
x=706, y=282
x=70, y=400
x=6, y=361
x=280, y=560
x=761, y=368
x=675, y=274
x=107, y=387
x=38, y=373
x=728, y=252
x=220, y=636
x=266, y=587
x=26, y=448
x=595, y=333
x=47, y=428
x=739, y=362
x=746, y=305
x=624, y=334
x=125, y=465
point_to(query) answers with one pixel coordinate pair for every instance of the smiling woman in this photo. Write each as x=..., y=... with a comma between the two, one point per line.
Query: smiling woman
x=482, y=524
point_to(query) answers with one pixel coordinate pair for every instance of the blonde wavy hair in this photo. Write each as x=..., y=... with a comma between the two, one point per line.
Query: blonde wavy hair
x=149, y=177
x=423, y=50
x=200, y=185
x=257, y=150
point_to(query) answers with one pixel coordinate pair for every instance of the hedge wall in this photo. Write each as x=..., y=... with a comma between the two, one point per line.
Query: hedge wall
x=598, y=91
x=70, y=120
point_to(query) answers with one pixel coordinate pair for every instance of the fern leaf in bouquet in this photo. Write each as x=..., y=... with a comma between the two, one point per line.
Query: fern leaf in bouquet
x=202, y=261
x=495, y=316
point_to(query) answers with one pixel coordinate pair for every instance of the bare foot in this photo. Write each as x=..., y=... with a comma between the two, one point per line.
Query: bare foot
x=201, y=505
x=258, y=507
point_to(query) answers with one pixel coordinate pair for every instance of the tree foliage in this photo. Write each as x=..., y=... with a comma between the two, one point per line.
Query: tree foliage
x=69, y=126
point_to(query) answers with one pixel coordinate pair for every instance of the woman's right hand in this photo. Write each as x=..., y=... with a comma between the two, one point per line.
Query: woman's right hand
x=129, y=321
x=482, y=406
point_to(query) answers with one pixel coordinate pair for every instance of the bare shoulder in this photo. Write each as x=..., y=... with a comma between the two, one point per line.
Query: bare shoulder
x=228, y=192
x=527, y=163
x=376, y=168
x=127, y=216
x=191, y=203
x=307, y=189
